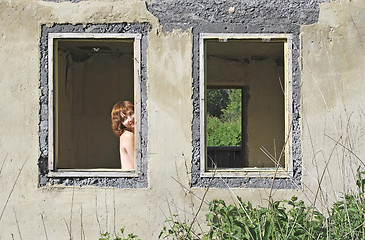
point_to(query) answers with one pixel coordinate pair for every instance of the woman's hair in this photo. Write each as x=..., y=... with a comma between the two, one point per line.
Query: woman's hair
x=119, y=110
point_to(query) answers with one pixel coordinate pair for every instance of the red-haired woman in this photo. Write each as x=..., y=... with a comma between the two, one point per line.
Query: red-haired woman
x=122, y=117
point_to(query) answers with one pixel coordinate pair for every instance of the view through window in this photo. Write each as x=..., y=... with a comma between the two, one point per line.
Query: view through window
x=245, y=104
x=225, y=127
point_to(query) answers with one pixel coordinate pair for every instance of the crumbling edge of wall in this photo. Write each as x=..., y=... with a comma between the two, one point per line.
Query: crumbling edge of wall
x=119, y=182
x=248, y=182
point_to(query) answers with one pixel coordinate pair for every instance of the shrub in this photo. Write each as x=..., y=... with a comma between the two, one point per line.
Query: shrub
x=347, y=219
x=273, y=222
x=280, y=220
x=177, y=230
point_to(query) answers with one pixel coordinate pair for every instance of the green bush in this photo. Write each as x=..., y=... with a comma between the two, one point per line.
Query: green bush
x=347, y=219
x=273, y=222
x=177, y=230
x=223, y=134
x=280, y=220
x=223, y=122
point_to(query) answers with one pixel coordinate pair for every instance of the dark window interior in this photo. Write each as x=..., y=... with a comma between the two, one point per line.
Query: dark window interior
x=244, y=102
x=90, y=76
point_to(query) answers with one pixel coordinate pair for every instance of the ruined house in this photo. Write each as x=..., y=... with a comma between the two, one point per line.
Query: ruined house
x=298, y=67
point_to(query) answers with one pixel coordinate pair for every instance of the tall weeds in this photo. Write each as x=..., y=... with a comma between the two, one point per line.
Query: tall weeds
x=281, y=220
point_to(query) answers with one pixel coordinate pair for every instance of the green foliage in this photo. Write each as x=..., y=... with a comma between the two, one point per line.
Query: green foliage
x=281, y=220
x=223, y=134
x=347, y=220
x=223, y=123
x=233, y=110
x=217, y=100
x=130, y=236
x=177, y=230
x=273, y=222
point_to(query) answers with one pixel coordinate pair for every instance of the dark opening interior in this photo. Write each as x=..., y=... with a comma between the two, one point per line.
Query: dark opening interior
x=257, y=68
x=91, y=75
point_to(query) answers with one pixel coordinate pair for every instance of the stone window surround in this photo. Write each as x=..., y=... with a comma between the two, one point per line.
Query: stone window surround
x=290, y=179
x=251, y=172
x=119, y=179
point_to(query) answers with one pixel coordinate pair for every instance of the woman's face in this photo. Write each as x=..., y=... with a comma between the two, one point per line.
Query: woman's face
x=128, y=119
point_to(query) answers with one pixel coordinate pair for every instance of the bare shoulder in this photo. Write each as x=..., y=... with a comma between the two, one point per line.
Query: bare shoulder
x=127, y=135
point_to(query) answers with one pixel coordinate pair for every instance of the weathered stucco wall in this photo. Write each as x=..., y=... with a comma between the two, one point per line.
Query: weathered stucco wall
x=44, y=211
x=332, y=116
x=329, y=71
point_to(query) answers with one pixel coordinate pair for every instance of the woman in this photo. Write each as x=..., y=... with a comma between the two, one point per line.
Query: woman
x=122, y=117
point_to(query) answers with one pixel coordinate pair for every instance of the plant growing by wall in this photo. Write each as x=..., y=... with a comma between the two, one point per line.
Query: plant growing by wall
x=121, y=236
x=347, y=219
x=177, y=230
x=281, y=220
x=277, y=221
x=289, y=219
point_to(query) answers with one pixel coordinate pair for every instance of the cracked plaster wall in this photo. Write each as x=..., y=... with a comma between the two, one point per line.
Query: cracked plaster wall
x=332, y=113
x=327, y=67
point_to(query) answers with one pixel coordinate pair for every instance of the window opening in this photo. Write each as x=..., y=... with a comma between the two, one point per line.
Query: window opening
x=245, y=103
x=88, y=74
x=226, y=128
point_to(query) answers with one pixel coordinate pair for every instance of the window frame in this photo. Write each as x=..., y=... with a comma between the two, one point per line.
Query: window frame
x=285, y=172
x=99, y=172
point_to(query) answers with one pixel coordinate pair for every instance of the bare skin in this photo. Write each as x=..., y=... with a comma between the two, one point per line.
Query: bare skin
x=126, y=143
